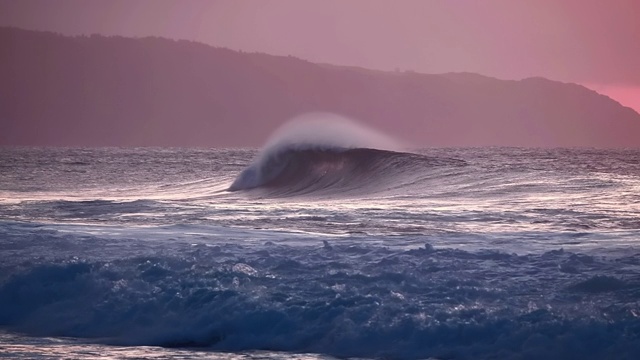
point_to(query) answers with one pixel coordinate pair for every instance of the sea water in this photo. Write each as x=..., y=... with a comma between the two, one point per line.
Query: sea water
x=320, y=252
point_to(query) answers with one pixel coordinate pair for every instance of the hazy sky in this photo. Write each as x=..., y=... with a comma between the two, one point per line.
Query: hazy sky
x=592, y=42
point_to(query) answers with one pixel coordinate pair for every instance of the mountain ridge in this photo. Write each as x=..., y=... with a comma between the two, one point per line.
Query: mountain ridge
x=117, y=91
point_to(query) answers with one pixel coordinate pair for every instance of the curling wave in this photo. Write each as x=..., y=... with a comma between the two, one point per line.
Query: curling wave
x=323, y=153
x=300, y=170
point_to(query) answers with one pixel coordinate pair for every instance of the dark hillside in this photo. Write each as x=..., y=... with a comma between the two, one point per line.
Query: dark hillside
x=95, y=91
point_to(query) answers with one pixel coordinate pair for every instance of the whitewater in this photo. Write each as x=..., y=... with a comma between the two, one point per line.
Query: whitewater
x=316, y=249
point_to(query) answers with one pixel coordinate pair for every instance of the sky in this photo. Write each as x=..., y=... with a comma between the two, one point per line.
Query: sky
x=590, y=42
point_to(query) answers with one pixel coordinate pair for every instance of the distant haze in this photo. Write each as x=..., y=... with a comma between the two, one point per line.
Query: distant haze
x=117, y=91
x=591, y=42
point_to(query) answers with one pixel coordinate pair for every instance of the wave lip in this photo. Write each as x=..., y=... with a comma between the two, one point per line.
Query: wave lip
x=305, y=170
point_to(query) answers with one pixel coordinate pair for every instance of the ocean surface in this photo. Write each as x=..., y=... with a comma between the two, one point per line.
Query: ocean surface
x=319, y=252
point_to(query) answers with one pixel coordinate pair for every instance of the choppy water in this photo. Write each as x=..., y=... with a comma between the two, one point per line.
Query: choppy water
x=447, y=253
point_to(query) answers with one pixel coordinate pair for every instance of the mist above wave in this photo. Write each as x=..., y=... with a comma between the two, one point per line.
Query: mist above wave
x=328, y=130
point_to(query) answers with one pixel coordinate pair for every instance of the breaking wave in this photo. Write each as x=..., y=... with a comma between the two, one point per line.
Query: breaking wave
x=331, y=155
x=333, y=170
x=342, y=298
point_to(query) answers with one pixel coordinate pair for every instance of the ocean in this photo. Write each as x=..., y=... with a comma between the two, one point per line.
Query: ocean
x=319, y=252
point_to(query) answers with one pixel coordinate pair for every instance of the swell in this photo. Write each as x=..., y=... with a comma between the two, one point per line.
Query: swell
x=333, y=170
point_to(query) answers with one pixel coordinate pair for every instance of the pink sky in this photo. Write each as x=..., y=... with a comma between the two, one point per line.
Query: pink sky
x=590, y=42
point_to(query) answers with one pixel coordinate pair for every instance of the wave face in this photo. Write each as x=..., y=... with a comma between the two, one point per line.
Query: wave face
x=333, y=170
